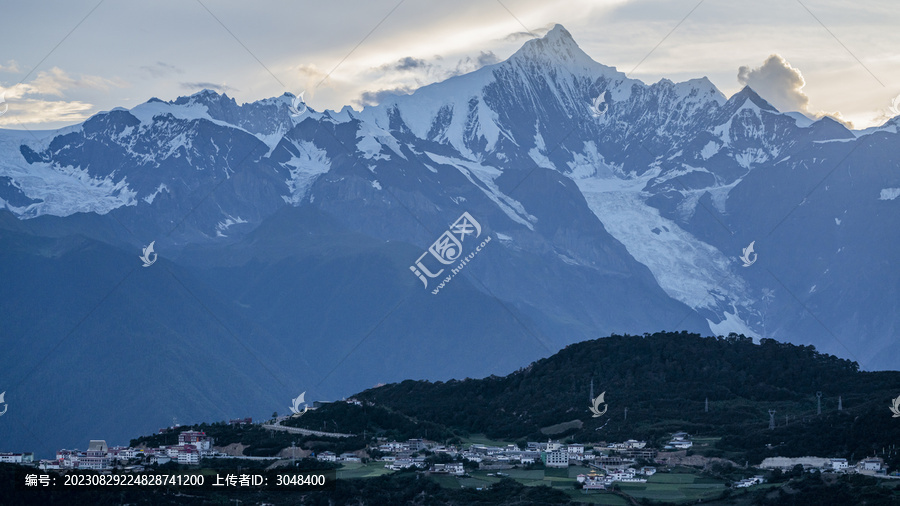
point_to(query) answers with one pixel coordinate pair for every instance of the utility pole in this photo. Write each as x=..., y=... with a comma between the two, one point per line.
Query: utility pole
x=706, y=406
x=819, y=405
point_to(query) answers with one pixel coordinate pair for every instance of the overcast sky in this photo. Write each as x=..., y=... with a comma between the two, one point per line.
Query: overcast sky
x=63, y=61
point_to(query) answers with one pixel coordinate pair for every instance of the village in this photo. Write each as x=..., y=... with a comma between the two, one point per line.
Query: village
x=605, y=464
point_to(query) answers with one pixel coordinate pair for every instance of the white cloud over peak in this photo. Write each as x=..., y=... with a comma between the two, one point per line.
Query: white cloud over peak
x=777, y=82
x=28, y=103
x=781, y=85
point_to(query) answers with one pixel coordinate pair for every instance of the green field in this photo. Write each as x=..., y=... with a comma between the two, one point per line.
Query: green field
x=357, y=470
x=668, y=487
x=479, y=479
x=673, y=487
x=446, y=481
x=481, y=439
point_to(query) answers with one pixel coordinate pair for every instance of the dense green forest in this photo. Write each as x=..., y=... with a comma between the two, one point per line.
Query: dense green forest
x=664, y=381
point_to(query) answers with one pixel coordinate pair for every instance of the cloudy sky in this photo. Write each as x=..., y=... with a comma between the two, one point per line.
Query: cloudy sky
x=63, y=61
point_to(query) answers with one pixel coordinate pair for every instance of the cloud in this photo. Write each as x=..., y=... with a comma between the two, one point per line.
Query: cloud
x=777, y=82
x=375, y=97
x=781, y=85
x=470, y=64
x=28, y=105
x=539, y=32
x=33, y=111
x=887, y=114
x=407, y=74
x=406, y=64
x=55, y=81
x=11, y=66
x=895, y=106
x=312, y=79
x=200, y=85
x=161, y=69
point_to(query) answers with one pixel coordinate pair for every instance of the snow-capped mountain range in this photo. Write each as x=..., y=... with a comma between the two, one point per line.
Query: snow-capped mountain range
x=615, y=206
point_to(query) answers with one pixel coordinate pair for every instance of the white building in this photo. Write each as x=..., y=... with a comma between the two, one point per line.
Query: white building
x=871, y=464
x=592, y=481
x=555, y=458
x=454, y=468
x=624, y=475
x=839, y=464
x=326, y=457
x=404, y=463
x=127, y=453
x=393, y=446
x=11, y=458
x=577, y=449
x=48, y=464
x=160, y=458
x=749, y=482
x=189, y=456
x=525, y=456
x=96, y=457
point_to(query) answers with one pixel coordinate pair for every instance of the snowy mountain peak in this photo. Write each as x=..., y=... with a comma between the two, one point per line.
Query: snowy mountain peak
x=705, y=88
x=556, y=46
x=207, y=97
x=747, y=93
x=187, y=108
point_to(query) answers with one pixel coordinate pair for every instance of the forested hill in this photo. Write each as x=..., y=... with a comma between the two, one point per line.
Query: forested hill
x=663, y=380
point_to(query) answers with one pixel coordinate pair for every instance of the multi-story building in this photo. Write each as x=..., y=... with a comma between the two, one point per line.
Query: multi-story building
x=160, y=458
x=96, y=457
x=555, y=458
x=454, y=468
x=16, y=458
x=549, y=446
x=189, y=455
x=871, y=464
x=839, y=464
x=197, y=438
x=327, y=457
